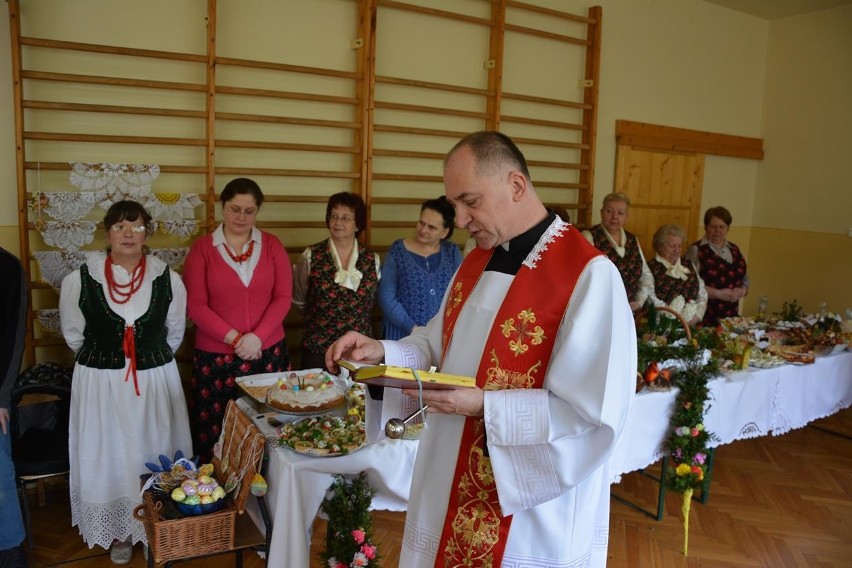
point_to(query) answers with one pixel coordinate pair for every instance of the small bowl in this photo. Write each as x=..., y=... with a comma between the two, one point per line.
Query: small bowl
x=200, y=509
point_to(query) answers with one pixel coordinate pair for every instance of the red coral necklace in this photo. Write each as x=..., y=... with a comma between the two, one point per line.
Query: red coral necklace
x=121, y=293
x=242, y=257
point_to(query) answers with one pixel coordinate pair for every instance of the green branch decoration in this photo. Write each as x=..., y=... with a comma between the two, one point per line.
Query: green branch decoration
x=350, y=531
x=686, y=445
x=666, y=339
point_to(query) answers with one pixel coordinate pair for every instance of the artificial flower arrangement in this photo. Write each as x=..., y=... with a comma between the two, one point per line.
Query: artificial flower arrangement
x=686, y=445
x=681, y=357
x=350, y=541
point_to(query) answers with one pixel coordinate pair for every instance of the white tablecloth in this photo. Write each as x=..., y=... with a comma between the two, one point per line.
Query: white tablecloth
x=745, y=404
x=298, y=484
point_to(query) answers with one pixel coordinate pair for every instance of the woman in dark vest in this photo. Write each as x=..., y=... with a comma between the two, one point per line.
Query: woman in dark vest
x=676, y=282
x=418, y=269
x=123, y=313
x=335, y=280
x=622, y=248
x=721, y=265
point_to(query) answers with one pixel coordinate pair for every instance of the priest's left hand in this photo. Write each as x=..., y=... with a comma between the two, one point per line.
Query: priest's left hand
x=467, y=402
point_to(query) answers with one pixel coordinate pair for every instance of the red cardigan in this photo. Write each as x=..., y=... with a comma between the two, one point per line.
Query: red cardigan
x=218, y=301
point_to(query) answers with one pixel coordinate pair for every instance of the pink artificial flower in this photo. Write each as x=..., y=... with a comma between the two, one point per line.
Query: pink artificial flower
x=369, y=550
x=358, y=535
x=699, y=457
x=359, y=559
x=695, y=432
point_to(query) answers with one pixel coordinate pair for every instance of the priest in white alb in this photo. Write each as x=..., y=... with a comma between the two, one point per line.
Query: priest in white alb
x=514, y=472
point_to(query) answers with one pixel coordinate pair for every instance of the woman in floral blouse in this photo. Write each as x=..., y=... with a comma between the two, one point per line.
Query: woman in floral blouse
x=721, y=266
x=335, y=280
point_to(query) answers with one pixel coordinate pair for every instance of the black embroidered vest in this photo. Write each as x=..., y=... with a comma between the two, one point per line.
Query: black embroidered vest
x=629, y=265
x=330, y=309
x=719, y=273
x=667, y=288
x=103, y=337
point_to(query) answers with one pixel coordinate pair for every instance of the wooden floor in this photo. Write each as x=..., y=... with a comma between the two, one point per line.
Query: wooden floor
x=775, y=502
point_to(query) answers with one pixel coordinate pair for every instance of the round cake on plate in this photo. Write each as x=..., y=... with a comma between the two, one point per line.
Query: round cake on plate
x=305, y=392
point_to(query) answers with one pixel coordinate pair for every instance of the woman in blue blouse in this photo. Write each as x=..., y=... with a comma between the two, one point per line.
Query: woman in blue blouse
x=418, y=269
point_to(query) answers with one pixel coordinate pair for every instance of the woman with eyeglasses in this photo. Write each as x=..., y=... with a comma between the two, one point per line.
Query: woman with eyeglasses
x=123, y=313
x=335, y=280
x=239, y=284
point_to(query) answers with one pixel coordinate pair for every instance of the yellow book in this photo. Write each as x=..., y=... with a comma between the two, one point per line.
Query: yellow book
x=403, y=377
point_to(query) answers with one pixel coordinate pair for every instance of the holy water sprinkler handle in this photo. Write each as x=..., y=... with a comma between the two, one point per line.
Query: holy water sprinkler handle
x=395, y=428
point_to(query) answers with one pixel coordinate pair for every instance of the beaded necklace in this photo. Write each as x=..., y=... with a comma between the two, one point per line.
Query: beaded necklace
x=243, y=257
x=121, y=293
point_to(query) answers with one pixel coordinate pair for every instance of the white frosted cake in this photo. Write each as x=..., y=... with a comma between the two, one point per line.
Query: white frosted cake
x=305, y=392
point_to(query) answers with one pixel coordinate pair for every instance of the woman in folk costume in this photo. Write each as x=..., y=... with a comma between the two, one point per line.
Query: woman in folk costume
x=239, y=283
x=721, y=265
x=123, y=313
x=335, y=280
x=622, y=248
x=515, y=472
x=677, y=284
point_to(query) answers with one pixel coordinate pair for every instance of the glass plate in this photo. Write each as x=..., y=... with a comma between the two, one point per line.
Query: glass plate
x=312, y=453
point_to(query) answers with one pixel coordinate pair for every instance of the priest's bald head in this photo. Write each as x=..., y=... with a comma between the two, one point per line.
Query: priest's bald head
x=487, y=180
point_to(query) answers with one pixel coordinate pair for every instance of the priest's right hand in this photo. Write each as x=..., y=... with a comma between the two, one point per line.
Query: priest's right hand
x=356, y=347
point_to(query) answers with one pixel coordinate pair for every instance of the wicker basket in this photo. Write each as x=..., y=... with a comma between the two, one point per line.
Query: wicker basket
x=172, y=539
x=661, y=385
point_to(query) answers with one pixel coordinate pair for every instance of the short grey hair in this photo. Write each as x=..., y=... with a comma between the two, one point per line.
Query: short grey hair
x=666, y=231
x=615, y=196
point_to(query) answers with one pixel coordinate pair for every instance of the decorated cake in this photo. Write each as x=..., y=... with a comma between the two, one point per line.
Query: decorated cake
x=305, y=392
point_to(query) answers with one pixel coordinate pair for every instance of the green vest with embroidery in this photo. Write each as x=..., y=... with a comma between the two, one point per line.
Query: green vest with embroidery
x=103, y=337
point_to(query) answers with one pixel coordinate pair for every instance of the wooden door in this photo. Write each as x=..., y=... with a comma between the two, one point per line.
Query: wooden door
x=663, y=187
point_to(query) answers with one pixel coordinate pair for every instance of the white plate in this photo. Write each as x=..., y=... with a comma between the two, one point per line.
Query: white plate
x=256, y=386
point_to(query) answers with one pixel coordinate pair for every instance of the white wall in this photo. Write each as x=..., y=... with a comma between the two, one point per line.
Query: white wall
x=805, y=183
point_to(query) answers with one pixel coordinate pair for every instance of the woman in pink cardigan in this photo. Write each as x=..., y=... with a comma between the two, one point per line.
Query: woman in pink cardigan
x=239, y=285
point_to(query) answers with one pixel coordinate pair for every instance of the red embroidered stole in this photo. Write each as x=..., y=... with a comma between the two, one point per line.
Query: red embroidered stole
x=516, y=355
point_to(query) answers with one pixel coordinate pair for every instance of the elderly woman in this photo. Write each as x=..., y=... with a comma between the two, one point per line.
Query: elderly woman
x=335, y=280
x=418, y=269
x=721, y=265
x=622, y=248
x=123, y=313
x=239, y=282
x=675, y=285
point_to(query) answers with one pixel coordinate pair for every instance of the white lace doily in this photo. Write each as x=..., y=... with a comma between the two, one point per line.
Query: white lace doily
x=174, y=257
x=183, y=229
x=68, y=205
x=54, y=265
x=49, y=320
x=129, y=178
x=106, y=197
x=68, y=235
x=172, y=206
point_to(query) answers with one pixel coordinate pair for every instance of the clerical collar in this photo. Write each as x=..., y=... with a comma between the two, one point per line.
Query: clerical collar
x=507, y=257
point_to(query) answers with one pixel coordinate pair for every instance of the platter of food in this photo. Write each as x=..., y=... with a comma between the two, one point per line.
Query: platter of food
x=742, y=324
x=795, y=354
x=301, y=393
x=763, y=360
x=323, y=436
